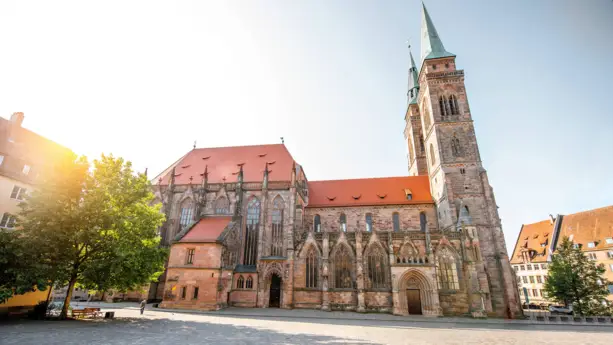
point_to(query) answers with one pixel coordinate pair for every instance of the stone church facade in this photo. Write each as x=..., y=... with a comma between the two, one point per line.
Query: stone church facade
x=246, y=227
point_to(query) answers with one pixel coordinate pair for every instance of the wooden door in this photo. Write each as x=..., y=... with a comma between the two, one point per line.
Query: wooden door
x=414, y=301
x=275, y=292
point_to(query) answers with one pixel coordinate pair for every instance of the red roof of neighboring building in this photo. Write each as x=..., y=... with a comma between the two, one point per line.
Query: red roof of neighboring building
x=369, y=191
x=589, y=226
x=206, y=230
x=224, y=162
x=532, y=237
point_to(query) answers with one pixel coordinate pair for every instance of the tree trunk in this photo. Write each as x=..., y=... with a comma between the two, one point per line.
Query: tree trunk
x=71, y=284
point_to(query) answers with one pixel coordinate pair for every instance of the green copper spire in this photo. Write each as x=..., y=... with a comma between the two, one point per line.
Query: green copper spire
x=431, y=44
x=413, y=83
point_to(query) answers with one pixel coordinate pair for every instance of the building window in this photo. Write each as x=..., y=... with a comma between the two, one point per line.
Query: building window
x=610, y=254
x=368, y=222
x=396, y=221
x=253, y=224
x=376, y=267
x=462, y=171
x=528, y=267
x=516, y=268
x=591, y=244
x=343, y=222
x=592, y=256
x=444, y=106
x=544, y=266
x=447, y=271
x=26, y=169
x=610, y=289
x=343, y=268
x=453, y=105
x=535, y=292
x=611, y=267
x=609, y=240
x=531, y=279
x=432, y=157
x=222, y=205
x=196, y=292
x=524, y=279
x=427, y=120
x=183, y=292
x=422, y=146
x=7, y=221
x=316, y=223
x=18, y=193
x=277, y=226
x=544, y=278
x=190, y=256
x=249, y=283
x=522, y=267
x=187, y=210
x=539, y=280
x=312, y=269
x=1, y=159
x=240, y=283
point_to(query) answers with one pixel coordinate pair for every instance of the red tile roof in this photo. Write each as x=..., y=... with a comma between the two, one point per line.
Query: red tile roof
x=531, y=237
x=369, y=191
x=224, y=162
x=206, y=230
x=589, y=226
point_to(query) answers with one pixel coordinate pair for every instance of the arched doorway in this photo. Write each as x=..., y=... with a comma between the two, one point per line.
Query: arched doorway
x=274, y=300
x=416, y=294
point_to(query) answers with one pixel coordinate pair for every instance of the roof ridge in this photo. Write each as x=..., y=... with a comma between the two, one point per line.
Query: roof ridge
x=586, y=211
x=369, y=178
x=227, y=147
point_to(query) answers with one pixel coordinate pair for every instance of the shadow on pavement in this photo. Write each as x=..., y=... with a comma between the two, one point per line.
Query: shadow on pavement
x=151, y=331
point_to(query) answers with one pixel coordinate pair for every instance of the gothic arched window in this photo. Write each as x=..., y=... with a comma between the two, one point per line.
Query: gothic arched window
x=396, y=221
x=222, y=205
x=277, y=226
x=187, y=213
x=342, y=268
x=368, y=222
x=312, y=269
x=376, y=266
x=253, y=222
x=249, y=284
x=343, y=222
x=316, y=223
x=427, y=120
x=453, y=103
x=446, y=270
x=423, y=221
x=240, y=283
x=442, y=102
x=456, y=150
x=432, y=157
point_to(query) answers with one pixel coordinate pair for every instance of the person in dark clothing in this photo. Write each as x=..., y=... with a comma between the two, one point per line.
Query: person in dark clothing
x=143, y=303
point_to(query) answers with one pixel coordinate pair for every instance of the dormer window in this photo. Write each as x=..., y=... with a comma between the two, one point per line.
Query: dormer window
x=609, y=240
x=591, y=245
x=408, y=194
x=26, y=169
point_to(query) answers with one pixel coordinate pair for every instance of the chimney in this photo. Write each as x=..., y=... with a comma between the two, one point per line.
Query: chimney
x=17, y=118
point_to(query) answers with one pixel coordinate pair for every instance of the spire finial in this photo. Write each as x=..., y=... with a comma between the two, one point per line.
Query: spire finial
x=282, y=140
x=194, y=144
x=431, y=44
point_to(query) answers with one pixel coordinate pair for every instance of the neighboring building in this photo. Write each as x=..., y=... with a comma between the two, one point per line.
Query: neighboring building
x=24, y=157
x=78, y=294
x=247, y=228
x=591, y=230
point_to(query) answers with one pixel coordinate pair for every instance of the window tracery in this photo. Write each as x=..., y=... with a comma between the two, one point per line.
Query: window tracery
x=253, y=222
x=446, y=270
x=222, y=205
x=376, y=267
x=277, y=227
x=343, y=268
x=312, y=269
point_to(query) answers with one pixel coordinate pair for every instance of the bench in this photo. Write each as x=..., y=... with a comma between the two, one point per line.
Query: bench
x=82, y=313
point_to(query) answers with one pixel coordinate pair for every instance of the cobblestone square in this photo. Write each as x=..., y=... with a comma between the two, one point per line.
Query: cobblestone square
x=295, y=327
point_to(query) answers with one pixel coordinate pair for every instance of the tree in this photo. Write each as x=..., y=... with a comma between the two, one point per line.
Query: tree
x=574, y=279
x=21, y=270
x=96, y=226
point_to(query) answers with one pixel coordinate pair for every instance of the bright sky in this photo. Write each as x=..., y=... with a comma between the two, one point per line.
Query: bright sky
x=144, y=79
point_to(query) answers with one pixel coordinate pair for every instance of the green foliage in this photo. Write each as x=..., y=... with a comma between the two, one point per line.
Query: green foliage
x=21, y=270
x=95, y=227
x=574, y=279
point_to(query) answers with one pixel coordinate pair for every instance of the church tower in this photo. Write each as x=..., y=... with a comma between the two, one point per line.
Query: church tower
x=412, y=131
x=458, y=181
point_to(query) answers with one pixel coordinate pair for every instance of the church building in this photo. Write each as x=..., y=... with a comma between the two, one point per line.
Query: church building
x=247, y=228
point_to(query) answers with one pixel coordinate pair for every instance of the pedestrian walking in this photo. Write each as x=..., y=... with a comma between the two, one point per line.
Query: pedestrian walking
x=143, y=303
